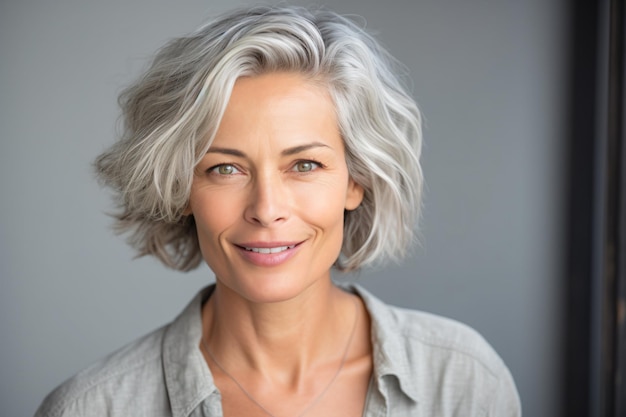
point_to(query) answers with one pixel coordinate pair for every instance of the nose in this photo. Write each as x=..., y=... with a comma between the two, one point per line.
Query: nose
x=269, y=201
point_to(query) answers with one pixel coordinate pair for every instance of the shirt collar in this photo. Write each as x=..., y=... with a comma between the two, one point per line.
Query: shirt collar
x=187, y=375
x=189, y=380
x=390, y=354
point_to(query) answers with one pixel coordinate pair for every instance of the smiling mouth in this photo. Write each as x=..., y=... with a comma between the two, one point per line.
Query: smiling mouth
x=277, y=249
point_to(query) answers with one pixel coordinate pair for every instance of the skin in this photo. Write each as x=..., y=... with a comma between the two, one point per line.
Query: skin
x=276, y=176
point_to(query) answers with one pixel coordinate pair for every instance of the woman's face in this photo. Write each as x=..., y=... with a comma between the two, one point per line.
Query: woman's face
x=269, y=196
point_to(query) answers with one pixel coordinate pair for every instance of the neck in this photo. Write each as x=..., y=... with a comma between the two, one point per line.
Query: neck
x=280, y=340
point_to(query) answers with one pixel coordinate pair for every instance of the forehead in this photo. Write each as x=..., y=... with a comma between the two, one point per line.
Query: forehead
x=274, y=88
x=278, y=104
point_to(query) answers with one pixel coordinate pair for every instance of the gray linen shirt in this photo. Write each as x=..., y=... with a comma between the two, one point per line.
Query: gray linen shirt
x=424, y=366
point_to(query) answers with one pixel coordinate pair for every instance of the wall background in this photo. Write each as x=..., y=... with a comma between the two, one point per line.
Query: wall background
x=490, y=77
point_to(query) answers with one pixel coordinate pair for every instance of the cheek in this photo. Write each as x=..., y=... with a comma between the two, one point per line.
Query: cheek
x=323, y=205
x=212, y=216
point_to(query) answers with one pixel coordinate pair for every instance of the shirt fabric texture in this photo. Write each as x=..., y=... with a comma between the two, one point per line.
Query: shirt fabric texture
x=424, y=366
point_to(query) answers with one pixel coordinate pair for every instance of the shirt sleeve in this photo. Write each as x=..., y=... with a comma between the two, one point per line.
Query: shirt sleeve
x=506, y=401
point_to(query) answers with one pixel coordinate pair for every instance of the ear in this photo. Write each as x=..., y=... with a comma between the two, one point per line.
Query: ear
x=187, y=210
x=354, y=195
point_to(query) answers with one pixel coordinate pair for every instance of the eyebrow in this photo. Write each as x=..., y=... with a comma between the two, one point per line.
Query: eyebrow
x=287, y=152
x=227, y=151
x=301, y=148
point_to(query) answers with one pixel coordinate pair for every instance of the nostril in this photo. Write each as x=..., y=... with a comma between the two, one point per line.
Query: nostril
x=268, y=205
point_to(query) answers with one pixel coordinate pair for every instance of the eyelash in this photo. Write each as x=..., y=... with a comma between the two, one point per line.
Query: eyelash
x=212, y=170
x=309, y=161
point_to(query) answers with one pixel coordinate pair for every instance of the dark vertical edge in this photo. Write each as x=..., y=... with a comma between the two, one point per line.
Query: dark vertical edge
x=608, y=283
x=614, y=326
x=620, y=387
x=581, y=168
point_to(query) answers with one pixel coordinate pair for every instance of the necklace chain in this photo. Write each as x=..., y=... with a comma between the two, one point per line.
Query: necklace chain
x=317, y=399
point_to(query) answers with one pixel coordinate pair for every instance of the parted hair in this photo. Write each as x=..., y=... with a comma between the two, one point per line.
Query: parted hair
x=172, y=112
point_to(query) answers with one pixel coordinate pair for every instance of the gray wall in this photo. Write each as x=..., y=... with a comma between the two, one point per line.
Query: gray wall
x=489, y=76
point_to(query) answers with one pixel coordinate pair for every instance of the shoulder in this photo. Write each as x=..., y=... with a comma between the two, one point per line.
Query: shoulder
x=453, y=366
x=114, y=379
x=440, y=362
x=444, y=338
x=427, y=333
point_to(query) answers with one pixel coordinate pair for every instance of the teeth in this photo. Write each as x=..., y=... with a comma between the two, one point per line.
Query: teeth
x=270, y=250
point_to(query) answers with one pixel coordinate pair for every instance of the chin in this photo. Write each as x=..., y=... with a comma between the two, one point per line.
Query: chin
x=270, y=288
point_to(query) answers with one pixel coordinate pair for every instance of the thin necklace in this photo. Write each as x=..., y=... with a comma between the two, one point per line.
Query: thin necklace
x=319, y=396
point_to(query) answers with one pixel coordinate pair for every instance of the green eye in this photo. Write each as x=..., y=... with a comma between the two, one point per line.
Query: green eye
x=224, y=169
x=305, y=166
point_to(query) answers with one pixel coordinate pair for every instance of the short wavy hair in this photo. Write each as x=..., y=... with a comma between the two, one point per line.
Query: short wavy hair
x=172, y=112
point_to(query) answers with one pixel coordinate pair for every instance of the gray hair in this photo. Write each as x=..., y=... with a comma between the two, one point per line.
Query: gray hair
x=172, y=113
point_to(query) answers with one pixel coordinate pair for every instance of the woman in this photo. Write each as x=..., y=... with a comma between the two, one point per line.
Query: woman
x=275, y=143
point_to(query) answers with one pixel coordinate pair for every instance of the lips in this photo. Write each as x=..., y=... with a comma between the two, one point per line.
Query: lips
x=268, y=254
x=276, y=249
